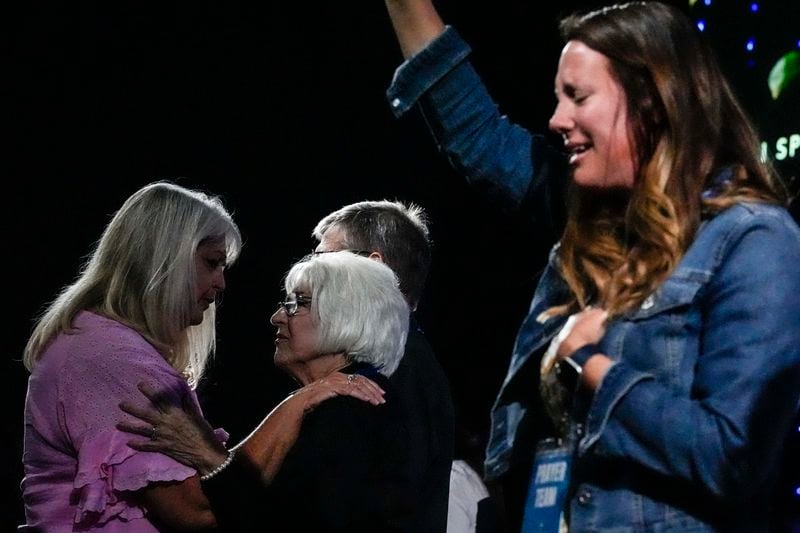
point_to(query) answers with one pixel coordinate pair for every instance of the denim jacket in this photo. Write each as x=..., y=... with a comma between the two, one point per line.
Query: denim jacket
x=684, y=432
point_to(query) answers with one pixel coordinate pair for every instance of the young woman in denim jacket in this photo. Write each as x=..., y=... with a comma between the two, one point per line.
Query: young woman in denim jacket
x=677, y=267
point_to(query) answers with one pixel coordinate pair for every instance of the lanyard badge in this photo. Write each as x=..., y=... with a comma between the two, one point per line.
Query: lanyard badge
x=548, y=487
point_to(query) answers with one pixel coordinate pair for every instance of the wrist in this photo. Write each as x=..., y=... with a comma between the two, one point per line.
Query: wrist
x=568, y=346
x=563, y=351
x=595, y=370
x=298, y=403
x=570, y=367
x=208, y=462
x=582, y=354
x=220, y=467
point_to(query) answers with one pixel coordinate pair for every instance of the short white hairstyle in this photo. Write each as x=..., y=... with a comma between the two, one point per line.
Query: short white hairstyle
x=357, y=305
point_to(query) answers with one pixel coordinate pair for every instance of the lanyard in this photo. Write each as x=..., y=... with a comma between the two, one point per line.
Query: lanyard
x=548, y=487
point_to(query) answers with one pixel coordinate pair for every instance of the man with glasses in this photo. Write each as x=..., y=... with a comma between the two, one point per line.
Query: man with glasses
x=397, y=235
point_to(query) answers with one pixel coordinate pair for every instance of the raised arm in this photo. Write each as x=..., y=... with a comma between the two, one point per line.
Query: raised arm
x=513, y=166
x=416, y=23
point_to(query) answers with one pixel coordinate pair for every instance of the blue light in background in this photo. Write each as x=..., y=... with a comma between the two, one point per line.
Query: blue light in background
x=701, y=25
x=751, y=44
x=707, y=2
x=754, y=7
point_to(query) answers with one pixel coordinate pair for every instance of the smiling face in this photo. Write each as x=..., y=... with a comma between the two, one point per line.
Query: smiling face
x=592, y=118
x=209, y=261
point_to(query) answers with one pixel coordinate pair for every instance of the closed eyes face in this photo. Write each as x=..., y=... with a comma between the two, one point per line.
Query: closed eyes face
x=210, y=261
x=592, y=118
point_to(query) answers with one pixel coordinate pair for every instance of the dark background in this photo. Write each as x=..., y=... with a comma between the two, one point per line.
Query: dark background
x=280, y=109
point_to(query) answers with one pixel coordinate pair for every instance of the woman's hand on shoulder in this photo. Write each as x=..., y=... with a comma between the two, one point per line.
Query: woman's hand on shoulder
x=179, y=431
x=339, y=384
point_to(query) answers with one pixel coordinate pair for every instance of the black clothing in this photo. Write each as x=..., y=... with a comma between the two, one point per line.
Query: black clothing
x=355, y=466
x=349, y=470
x=424, y=393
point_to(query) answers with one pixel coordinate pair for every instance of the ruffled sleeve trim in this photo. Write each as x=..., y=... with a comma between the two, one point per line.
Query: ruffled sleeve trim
x=108, y=473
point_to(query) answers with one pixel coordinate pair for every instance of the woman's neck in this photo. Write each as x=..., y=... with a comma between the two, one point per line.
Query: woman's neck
x=319, y=367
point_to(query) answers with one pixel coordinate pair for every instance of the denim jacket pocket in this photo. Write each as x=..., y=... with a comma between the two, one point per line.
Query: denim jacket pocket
x=657, y=339
x=677, y=291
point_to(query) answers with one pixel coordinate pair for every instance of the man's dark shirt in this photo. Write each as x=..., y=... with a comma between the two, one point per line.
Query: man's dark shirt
x=423, y=390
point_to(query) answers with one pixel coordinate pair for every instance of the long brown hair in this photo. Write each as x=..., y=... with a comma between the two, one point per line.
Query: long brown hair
x=686, y=125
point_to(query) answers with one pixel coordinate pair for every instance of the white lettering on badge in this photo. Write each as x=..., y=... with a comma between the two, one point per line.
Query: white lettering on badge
x=551, y=472
x=546, y=497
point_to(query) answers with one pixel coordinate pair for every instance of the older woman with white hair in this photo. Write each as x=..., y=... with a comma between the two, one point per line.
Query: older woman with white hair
x=349, y=469
x=341, y=310
x=343, y=313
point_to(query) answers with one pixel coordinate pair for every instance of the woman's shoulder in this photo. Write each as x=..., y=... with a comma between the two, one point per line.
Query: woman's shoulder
x=90, y=324
x=99, y=342
x=342, y=409
x=342, y=428
x=744, y=214
x=772, y=223
x=348, y=417
x=757, y=229
x=748, y=237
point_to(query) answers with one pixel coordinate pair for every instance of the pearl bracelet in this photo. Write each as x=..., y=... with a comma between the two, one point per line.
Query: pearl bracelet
x=220, y=468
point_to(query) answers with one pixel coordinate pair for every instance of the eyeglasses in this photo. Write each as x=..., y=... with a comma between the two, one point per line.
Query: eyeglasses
x=365, y=253
x=293, y=306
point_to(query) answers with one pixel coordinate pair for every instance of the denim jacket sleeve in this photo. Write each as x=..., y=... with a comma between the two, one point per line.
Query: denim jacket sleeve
x=493, y=153
x=725, y=434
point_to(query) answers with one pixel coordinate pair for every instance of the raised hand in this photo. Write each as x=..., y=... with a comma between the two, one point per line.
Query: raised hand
x=416, y=23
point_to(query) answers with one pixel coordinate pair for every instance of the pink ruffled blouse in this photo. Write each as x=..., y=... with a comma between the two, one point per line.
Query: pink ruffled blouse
x=79, y=473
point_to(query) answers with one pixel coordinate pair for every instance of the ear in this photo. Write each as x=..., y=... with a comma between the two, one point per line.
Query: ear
x=377, y=257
